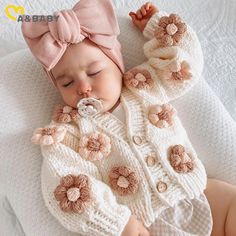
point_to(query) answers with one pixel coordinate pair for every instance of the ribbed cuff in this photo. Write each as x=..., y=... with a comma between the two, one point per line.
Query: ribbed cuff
x=151, y=25
x=109, y=221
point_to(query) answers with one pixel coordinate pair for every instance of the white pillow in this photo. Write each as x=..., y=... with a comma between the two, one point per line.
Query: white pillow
x=9, y=46
x=28, y=98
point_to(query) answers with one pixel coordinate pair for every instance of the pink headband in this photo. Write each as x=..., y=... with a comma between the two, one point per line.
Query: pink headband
x=92, y=19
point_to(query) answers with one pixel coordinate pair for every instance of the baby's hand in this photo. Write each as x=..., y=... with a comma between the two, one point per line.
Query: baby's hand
x=134, y=227
x=142, y=16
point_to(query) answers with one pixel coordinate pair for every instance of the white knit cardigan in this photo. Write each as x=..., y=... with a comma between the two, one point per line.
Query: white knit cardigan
x=159, y=186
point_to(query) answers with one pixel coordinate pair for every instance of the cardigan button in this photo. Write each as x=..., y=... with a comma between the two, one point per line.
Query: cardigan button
x=161, y=186
x=137, y=140
x=150, y=160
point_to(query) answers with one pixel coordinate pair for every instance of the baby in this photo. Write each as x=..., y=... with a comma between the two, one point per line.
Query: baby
x=117, y=160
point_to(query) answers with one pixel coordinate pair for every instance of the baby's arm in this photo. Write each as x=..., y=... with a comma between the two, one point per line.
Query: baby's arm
x=175, y=60
x=73, y=189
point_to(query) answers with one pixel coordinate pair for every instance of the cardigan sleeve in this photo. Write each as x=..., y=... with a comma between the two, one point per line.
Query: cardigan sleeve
x=75, y=194
x=174, y=59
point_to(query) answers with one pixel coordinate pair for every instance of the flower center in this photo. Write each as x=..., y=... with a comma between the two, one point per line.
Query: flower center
x=177, y=75
x=122, y=182
x=93, y=144
x=140, y=77
x=67, y=109
x=73, y=194
x=176, y=160
x=171, y=29
x=163, y=115
x=48, y=131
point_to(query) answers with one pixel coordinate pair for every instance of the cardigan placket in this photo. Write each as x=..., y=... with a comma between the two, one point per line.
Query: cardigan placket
x=135, y=126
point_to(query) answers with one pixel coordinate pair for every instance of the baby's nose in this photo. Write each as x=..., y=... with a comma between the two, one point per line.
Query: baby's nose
x=84, y=87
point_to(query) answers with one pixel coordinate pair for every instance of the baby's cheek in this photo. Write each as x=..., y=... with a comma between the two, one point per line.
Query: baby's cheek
x=70, y=98
x=109, y=88
x=112, y=81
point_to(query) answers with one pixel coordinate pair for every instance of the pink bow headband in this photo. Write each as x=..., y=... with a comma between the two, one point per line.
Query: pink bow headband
x=92, y=19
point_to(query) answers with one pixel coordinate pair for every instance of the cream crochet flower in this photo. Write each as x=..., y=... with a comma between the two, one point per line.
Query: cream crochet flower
x=137, y=78
x=65, y=114
x=48, y=135
x=95, y=146
x=162, y=115
x=170, y=30
x=73, y=193
x=183, y=73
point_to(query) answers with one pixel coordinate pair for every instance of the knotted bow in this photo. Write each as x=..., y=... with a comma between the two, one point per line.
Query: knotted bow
x=93, y=19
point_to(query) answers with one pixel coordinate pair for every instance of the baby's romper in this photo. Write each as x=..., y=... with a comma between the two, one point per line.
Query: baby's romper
x=98, y=170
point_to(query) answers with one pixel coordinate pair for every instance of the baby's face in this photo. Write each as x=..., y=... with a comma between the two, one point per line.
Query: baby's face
x=85, y=71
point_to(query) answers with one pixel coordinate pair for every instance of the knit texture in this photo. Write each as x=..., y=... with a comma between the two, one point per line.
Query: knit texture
x=131, y=144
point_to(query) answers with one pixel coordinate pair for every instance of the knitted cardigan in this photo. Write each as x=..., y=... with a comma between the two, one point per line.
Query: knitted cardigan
x=97, y=171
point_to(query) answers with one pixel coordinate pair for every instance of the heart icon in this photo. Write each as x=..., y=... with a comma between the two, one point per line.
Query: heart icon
x=16, y=9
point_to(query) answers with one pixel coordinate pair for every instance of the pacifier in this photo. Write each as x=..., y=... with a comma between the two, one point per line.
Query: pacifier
x=89, y=106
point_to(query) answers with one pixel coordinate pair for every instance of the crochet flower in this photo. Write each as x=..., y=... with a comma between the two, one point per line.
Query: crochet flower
x=65, y=114
x=73, y=193
x=48, y=135
x=95, y=146
x=137, y=78
x=170, y=30
x=183, y=73
x=162, y=115
x=180, y=160
x=123, y=180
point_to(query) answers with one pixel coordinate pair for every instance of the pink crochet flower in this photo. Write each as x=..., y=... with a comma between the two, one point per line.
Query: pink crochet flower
x=123, y=180
x=170, y=30
x=65, y=114
x=73, y=193
x=137, y=78
x=48, y=135
x=162, y=115
x=180, y=160
x=95, y=146
x=183, y=73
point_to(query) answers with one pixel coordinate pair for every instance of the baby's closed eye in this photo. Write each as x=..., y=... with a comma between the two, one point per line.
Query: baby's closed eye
x=90, y=74
x=94, y=73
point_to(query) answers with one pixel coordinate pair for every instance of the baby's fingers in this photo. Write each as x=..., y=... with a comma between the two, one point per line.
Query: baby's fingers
x=147, y=5
x=146, y=10
x=133, y=16
x=143, y=10
x=139, y=14
x=150, y=9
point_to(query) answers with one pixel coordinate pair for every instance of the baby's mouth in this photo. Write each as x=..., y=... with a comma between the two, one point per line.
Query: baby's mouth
x=88, y=107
